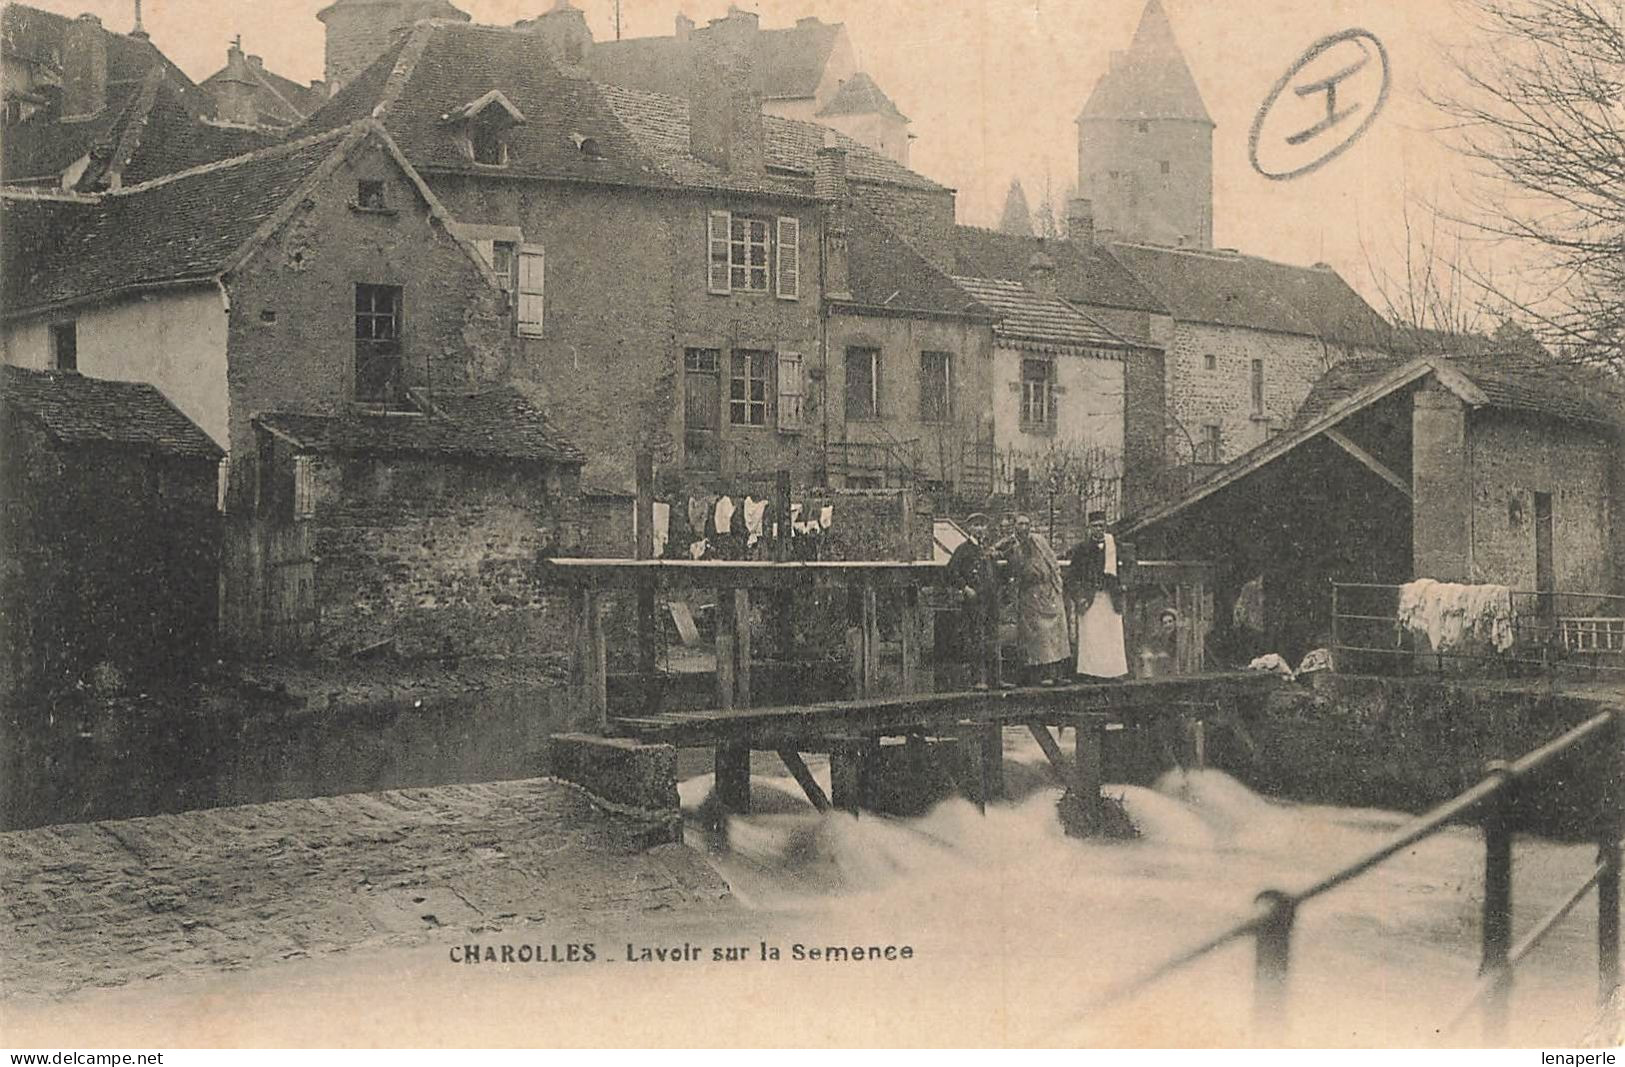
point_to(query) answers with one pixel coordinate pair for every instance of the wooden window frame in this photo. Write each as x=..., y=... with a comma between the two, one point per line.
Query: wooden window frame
x=370, y=347
x=872, y=410
x=792, y=392
x=928, y=374
x=787, y=262
x=529, y=290
x=753, y=406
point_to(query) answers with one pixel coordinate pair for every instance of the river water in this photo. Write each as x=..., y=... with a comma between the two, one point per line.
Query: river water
x=1011, y=929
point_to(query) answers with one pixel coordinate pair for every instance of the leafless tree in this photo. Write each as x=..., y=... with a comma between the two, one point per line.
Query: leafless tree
x=1540, y=110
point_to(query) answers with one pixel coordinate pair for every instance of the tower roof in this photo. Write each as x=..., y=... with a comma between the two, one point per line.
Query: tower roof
x=1150, y=80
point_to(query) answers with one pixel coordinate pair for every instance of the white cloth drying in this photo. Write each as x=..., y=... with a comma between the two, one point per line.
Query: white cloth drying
x=755, y=513
x=662, y=527
x=1451, y=614
x=826, y=515
x=1274, y=664
x=724, y=516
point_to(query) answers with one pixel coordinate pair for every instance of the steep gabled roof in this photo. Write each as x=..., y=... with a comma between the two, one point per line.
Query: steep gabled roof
x=1149, y=81
x=186, y=228
x=278, y=101
x=156, y=120
x=1510, y=382
x=495, y=424
x=887, y=276
x=788, y=63
x=74, y=409
x=1084, y=274
x=1027, y=319
x=859, y=95
x=1229, y=289
x=417, y=88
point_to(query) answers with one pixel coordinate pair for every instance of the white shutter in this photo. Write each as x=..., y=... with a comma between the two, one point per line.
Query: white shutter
x=529, y=298
x=789, y=259
x=304, y=488
x=717, y=280
x=790, y=401
x=487, y=249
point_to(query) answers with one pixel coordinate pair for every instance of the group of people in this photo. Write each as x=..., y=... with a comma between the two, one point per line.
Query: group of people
x=1044, y=588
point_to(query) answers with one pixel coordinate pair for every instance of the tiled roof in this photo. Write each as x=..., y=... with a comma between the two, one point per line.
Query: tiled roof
x=497, y=424
x=859, y=95
x=788, y=63
x=181, y=227
x=1084, y=274
x=1229, y=289
x=1150, y=80
x=1024, y=316
x=74, y=409
x=1509, y=380
x=155, y=120
x=641, y=138
x=884, y=272
x=278, y=101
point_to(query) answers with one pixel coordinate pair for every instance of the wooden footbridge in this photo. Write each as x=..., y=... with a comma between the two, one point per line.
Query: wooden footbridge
x=851, y=730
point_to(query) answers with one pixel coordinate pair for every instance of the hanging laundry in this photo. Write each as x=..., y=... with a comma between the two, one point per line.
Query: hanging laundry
x=697, y=549
x=826, y=515
x=1273, y=664
x=755, y=511
x=662, y=527
x=724, y=515
x=796, y=524
x=699, y=510
x=1450, y=614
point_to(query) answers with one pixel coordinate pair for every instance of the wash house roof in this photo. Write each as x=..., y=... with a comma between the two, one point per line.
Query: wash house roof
x=75, y=410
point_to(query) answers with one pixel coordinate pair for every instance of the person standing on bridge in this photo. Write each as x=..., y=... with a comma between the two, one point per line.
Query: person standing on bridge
x=1040, y=602
x=1099, y=593
x=971, y=569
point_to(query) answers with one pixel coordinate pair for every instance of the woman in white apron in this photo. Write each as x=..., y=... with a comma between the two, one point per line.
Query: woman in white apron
x=1100, y=603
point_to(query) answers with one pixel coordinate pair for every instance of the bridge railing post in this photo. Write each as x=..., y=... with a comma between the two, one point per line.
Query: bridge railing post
x=1271, y=964
x=1497, y=912
x=1610, y=828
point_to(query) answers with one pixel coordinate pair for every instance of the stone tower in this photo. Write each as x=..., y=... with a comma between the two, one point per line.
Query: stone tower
x=359, y=31
x=1145, y=144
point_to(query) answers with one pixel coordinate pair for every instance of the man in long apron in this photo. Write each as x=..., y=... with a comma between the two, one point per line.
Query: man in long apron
x=1100, y=603
x=1040, y=602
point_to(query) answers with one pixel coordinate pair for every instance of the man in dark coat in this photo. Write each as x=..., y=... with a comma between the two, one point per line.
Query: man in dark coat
x=971, y=570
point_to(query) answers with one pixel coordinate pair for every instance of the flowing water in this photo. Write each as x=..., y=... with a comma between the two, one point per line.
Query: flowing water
x=1042, y=923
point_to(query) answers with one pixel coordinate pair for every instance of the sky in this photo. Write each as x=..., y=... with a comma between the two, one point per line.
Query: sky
x=993, y=88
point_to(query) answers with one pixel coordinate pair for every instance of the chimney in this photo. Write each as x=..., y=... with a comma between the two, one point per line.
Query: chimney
x=1041, y=274
x=1080, y=222
x=829, y=184
x=564, y=30
x=257, y=62
x=685, y=26
x=84, y=68
x=724, y=104
x=234, y=99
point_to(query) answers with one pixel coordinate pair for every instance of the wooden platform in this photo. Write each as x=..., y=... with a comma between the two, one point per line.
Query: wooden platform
x=804, y=726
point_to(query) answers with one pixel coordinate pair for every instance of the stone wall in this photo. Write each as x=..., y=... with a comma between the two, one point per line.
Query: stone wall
x=438, y=556
x=1121, y=169
x=922, y=217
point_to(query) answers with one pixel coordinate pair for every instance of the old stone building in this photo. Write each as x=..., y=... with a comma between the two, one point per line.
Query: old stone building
x=1505, y=469
x=322, y=280
x=247, y=94
x=109, y=537
x=702, y=217
x=89, y=109
x=1145, y=143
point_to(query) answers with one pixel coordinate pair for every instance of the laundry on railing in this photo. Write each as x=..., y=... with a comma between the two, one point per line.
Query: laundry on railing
x=1273, y=664
x=1450, y=614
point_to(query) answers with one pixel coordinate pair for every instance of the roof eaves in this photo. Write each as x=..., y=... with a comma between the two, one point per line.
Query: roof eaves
x=12, y=314
x=1270, y=451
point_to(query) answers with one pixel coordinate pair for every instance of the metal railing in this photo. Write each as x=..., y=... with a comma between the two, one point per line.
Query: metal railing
x=1491, y=799
x=1548, y=630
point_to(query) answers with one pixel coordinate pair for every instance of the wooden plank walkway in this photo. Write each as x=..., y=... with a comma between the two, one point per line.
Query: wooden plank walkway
x=802, y=725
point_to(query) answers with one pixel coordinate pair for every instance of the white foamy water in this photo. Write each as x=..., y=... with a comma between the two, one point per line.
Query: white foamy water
x=1041, y=923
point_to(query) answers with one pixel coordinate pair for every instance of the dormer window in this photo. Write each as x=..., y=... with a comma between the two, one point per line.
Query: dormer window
x=369, y=195
x=487, y=123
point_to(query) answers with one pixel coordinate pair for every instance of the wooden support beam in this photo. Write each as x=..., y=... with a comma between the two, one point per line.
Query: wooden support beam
x=1372, y=463
x=1088, y=764
x=741, y=614
x=727, y=627
x=783, y=600
x=645, y=527
x=804, y=777
x=849, y=767
x=733, y=777
x=589, y=684
x=1052, y=750
x=863, y=638
x=871, y=640
x=908, y=628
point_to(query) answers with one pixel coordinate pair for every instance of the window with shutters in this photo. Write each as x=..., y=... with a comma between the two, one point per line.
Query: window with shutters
x=789, y=259
x=749, y=387
x=504, y=259
x=65, y=345
x=740, y=255
x=1210, y=448
x=1037, y=395
x=863, y=383
x=791, y=410
x=529, y=274
x=378, y=343
x=702, y=420
x=936, y=386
